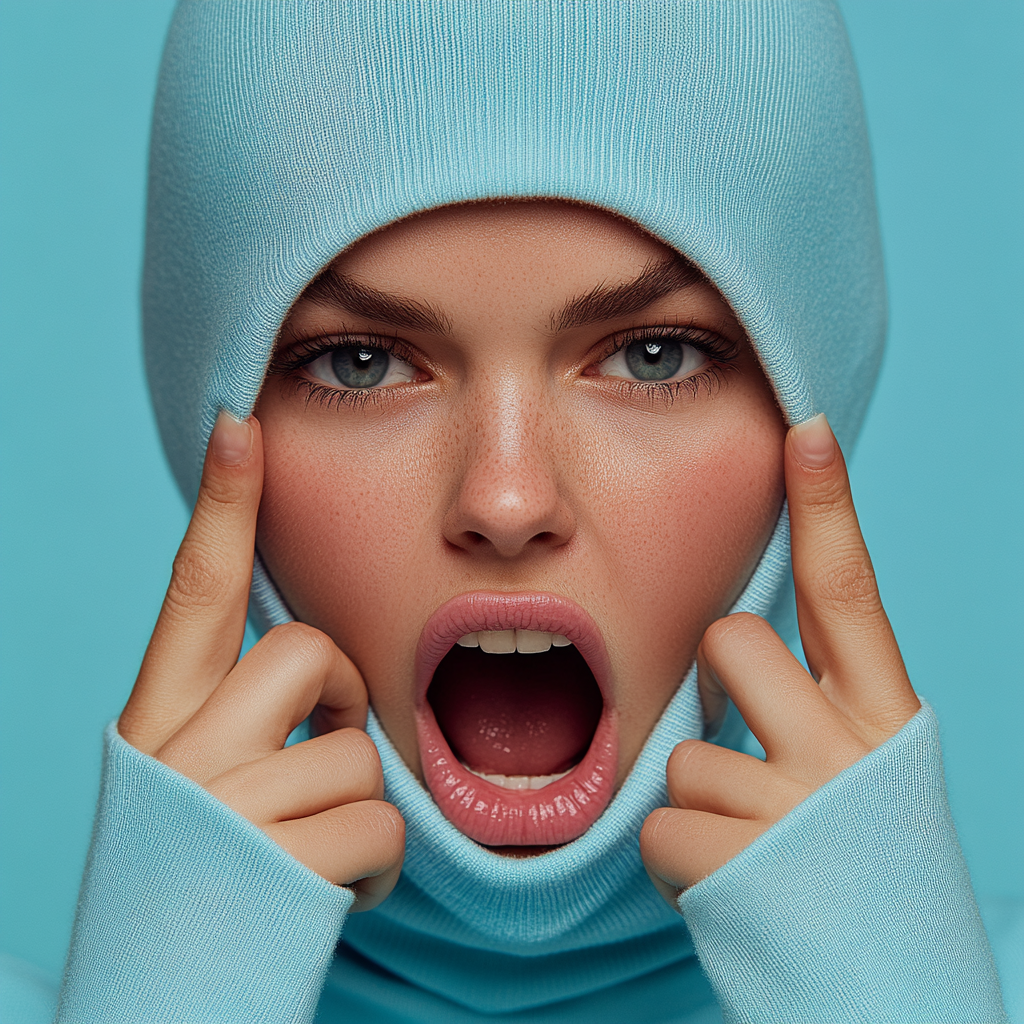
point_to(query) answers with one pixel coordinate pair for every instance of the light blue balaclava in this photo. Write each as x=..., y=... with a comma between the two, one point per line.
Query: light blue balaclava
x=732, y=130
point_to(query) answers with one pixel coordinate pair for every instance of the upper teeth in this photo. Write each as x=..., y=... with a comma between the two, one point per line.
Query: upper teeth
x=508, y=641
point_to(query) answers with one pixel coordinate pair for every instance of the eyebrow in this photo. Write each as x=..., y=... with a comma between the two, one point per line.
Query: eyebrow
x=602, y=303
x=334, y=289
x=605, y=302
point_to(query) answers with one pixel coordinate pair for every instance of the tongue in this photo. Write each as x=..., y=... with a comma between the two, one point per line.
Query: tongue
x=516, y=714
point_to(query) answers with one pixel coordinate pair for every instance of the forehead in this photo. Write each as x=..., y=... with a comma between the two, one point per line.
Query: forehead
x=520, y=243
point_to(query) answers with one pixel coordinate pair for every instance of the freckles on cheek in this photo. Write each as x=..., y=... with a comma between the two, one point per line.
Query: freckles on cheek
x=687, y=526
x=339, y=527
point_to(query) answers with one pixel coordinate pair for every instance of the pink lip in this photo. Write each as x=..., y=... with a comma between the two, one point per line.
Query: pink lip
x=561, y=811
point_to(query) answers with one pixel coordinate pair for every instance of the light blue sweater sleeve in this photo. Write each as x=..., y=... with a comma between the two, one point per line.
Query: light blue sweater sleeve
x=189, y=913
x=856, y=907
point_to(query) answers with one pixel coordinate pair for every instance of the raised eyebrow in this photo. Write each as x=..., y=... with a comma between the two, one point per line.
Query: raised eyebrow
x=333, y=289
x=606, y=302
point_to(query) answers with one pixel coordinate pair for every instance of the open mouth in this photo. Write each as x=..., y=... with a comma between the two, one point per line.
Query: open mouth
x=517, y=735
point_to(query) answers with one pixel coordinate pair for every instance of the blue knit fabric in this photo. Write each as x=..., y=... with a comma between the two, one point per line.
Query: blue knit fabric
x=180, y=898
x=856, y=907
x=868, y=872
x=284, y=131
x=733, y=131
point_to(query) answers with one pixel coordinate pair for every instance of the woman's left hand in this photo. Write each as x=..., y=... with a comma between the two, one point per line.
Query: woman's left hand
x=723, y=800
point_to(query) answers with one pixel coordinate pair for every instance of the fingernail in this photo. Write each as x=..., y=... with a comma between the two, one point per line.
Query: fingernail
x=813, y=443
x=231, y=440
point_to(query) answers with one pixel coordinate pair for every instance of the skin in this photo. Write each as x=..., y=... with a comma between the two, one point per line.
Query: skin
x=513, y=459
x=528, y=474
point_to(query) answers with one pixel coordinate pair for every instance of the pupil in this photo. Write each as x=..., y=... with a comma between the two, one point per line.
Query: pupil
x=654, y=360
x=360, y=367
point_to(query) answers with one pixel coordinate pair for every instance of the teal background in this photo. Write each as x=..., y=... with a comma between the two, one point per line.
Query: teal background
x=91, y=519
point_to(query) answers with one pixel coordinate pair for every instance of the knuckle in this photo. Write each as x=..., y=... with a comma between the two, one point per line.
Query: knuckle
x=659, y=834
x=387, y=825
x=714, y=635
x=294, y=632
x=747, y=622
x=361, y=751
x=848, y=582
x=649, y=834
x=197, y=580
x=685, y=753
x=220, y=492
x=825, y=496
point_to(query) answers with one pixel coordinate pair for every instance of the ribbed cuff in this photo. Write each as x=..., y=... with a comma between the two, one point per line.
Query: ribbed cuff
x=188, y=912
x=857, y=906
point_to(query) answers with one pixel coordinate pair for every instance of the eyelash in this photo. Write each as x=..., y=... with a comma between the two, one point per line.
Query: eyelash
x=304, y=352
x=719, y=351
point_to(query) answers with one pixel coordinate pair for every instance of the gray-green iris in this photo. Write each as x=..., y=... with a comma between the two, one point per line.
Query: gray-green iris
x=654, y=360
x=359, y=367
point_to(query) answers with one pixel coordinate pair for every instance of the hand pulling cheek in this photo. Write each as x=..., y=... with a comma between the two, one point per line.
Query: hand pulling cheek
x=223, y=722
x=810, y=730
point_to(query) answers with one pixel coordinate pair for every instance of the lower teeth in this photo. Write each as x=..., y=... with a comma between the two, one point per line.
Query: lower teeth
x=519, y=781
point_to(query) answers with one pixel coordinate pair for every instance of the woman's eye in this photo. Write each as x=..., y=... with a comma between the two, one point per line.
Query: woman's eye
x=659, y=359
x=360, y=366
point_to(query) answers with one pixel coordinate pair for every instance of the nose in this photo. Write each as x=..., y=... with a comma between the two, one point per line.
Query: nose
x=508, y=500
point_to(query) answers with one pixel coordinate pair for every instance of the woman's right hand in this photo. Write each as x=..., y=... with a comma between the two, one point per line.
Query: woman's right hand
x=223, y=722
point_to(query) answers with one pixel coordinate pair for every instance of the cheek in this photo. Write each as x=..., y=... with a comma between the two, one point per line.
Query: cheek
x=342, y=519
x=681, y=520
x=697, y=515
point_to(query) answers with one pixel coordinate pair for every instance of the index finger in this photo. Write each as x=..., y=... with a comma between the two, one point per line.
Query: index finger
x=198, y=634
x=846, y=634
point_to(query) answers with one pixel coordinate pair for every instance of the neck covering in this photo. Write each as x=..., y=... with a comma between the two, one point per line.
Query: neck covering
x=731, y=130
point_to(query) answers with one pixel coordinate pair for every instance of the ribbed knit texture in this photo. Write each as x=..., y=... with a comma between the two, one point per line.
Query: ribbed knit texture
x=733, y=131
x=856, y=908
x=189, y=912
x=883, y=927
x=284, y=131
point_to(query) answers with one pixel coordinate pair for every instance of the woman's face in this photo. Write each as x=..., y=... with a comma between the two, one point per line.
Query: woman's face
x=521, y=416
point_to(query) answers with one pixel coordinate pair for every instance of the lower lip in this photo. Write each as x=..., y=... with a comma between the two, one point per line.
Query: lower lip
x=494, y=816
x=487, y=813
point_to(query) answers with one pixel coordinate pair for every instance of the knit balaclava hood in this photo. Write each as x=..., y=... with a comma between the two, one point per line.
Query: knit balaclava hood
x=731, y=130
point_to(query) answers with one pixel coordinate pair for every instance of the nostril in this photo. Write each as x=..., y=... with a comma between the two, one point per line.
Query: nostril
x=474, y=539
x=469, y=540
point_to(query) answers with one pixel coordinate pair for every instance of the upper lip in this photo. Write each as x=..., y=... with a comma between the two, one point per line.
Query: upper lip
x=492, y=611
